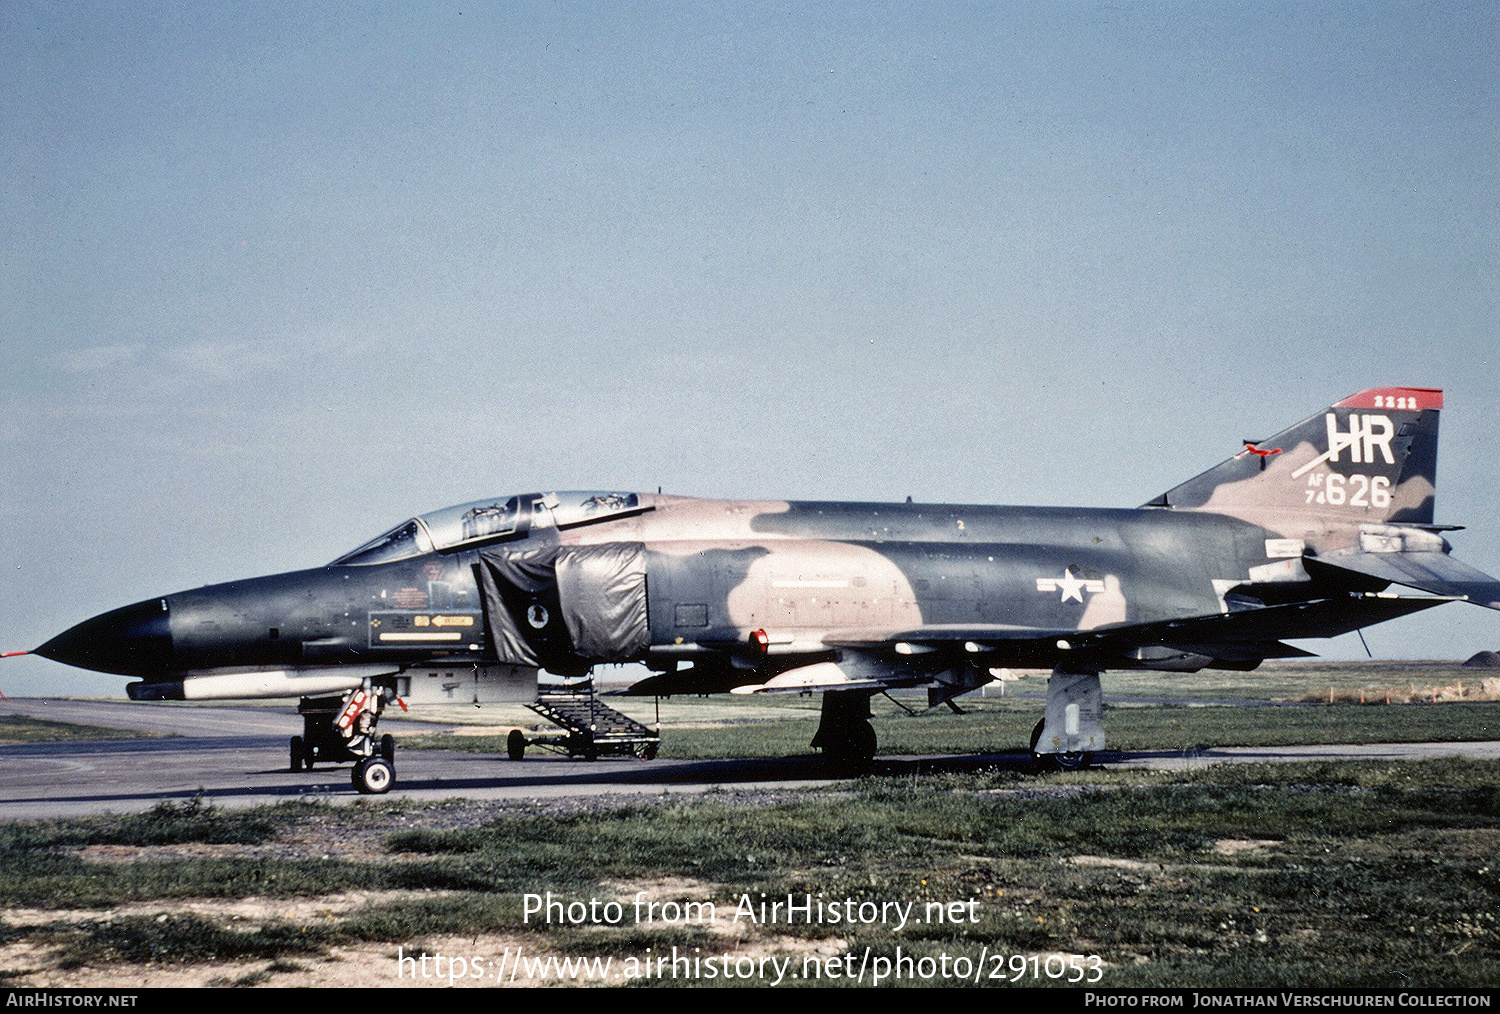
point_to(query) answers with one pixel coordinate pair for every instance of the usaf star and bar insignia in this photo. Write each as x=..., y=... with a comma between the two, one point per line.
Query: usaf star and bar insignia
x=1071, y=585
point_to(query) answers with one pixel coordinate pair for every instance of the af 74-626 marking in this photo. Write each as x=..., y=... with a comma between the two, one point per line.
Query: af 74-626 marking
x=1298, y=536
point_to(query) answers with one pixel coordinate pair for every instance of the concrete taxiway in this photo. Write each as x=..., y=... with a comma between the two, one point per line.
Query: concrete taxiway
x=238, y=757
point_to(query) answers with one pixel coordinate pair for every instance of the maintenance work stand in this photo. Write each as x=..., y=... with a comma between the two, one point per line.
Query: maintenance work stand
x=593, y=729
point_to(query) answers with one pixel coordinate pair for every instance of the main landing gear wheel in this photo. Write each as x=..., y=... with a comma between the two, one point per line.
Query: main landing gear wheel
x=845, y=734
x=1075, y=761
x=296, y=764
x=373, y=776
x=515, y=744
x=388, y=747
x=851, y=746
x=862, y=743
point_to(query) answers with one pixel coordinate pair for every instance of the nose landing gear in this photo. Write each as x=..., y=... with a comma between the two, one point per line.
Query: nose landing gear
x=338, y=729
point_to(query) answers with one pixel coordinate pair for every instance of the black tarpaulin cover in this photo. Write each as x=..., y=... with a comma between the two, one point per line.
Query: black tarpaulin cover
x=603, y=594
x=509, y=579
x=601, y=591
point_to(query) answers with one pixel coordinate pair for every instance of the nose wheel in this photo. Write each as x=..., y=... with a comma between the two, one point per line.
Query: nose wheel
x=374, y=776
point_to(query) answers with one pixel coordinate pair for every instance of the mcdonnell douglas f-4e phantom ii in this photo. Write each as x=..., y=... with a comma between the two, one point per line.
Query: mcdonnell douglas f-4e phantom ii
x=1298, y=536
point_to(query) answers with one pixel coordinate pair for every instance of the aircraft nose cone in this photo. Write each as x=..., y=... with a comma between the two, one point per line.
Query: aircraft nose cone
x=132, y=641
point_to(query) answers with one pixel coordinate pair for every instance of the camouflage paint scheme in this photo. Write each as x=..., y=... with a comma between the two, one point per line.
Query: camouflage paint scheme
x=1297, y=536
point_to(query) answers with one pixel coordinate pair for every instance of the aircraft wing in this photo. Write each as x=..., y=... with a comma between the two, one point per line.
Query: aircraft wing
x=1242, y=636
x=877, y=660
x=1318, y=617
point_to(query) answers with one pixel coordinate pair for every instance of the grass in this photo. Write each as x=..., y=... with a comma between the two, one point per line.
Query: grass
x=40, y=865
x=999, y=726
x=20, y=729
x=1288, y=680
x=167, y=823
x=1371, y=867
x=1326, y=874
x=180, y=939
x=50, y=879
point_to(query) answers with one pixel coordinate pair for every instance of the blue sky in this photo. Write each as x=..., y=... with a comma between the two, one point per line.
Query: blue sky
x=277, y=276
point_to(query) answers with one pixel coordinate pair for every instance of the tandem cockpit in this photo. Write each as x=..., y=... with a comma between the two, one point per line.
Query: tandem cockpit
x=497, y=519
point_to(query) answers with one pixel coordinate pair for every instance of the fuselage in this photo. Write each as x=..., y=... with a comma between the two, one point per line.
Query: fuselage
x=714, y=573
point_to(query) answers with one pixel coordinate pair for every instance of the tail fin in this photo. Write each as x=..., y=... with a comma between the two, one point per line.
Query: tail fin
x=1370, y=457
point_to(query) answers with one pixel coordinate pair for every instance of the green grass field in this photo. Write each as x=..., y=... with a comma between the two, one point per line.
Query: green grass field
x=1144, y=711
x=1351, y=874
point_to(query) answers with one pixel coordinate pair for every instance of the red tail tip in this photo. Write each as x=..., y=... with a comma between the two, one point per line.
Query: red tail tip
x=1412, y=399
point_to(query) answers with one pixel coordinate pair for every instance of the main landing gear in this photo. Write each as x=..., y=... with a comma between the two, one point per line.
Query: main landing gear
x=1066, y=739
x=1070, y=732
x=339, y=729
x=844, y=734
x=1072, y=760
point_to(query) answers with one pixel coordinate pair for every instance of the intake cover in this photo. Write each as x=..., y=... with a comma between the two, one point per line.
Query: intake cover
x=603, y=594
x=520, y=588
x=553, y=605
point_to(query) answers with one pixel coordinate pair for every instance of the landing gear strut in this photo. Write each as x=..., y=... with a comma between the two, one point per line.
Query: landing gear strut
x=844, y=734
x=1070, y=733
x=336, y=729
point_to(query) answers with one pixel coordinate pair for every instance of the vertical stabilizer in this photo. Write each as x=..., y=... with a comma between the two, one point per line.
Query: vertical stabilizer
x=1371, y=457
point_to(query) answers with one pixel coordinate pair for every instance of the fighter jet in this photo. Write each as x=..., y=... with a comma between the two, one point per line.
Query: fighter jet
x=1324, y=528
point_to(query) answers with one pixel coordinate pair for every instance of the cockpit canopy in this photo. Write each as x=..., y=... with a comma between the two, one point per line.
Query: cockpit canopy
x=497, y=519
